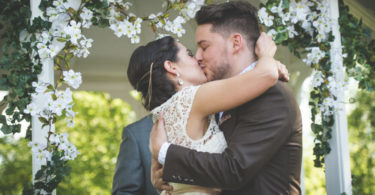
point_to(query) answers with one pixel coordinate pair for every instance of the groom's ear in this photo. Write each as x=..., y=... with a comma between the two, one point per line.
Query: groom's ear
x=236, y=41
x=170, y=67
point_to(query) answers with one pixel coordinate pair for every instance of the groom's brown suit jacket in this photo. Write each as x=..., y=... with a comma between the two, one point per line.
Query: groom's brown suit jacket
x=264, y=151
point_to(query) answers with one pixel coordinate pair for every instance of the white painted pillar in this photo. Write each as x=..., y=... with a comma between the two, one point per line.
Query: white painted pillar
x=39, y=134
x=337, y=162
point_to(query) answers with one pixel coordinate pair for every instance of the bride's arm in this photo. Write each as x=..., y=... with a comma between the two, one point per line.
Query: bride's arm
x=216, y=96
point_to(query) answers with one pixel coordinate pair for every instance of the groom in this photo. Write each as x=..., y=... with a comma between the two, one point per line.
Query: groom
x=264, y=135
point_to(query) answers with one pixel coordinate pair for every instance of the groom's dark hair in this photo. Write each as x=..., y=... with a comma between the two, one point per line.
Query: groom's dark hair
x=236, y=16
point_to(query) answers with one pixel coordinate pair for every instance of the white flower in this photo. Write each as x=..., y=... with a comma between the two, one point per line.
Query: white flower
x=41, y=152
x=43, y=50
x=82, y=49
x=119, y=28
x=306, y=25
x=65, y=96
x=134, y=39
x=272, y=33
x=130, y=29
x=264, y=17
x=72, y=78
x=40, y=87
x=317, y=79
x=291, y=31
x=71, y=123
x=74, y=30
x=52, y=13
x=332, y=85
x=32, y=109
x=58, y=106
x=52, y=50
x=69, y=112
x=179, y=31
x=124, y=4
x=190, y=9
x=328, y=106
x=54, y=139
x=60, y=5
x=175, y=26
x=314, y=56
x=86, y=16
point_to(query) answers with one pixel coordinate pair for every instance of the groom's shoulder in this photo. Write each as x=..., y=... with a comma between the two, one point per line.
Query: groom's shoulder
x=280, y=91
x=280, y=88
x=278, y=94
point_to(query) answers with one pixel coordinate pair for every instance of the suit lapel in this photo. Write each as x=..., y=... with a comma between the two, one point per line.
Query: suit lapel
x=227, y=123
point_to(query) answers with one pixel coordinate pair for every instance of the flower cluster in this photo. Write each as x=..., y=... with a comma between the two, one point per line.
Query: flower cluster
x=314, y=56
x=305, y=26
x=175, y=26
x=191, y=8
x=311, y=15
x=49, y=103
x=44, y=152
x=124, y=27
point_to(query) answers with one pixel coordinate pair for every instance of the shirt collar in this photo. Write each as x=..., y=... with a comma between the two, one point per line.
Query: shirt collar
x=249, y=68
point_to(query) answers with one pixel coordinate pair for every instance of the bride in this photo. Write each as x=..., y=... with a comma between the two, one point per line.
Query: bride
x=172, y=83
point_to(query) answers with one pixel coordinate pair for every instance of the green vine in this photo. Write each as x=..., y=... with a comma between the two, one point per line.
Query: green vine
x=359, y=58
x=19, y=72
x=360, y=49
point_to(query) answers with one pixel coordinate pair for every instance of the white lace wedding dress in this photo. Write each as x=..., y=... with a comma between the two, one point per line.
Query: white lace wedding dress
x=176, y=112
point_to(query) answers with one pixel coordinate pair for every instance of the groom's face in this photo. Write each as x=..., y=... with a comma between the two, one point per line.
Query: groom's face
x=212, y=53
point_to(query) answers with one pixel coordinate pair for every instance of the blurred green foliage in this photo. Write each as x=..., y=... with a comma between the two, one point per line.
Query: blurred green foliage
x=314, y=178
x=97, y=136
x=15, y=165
x=361, y=124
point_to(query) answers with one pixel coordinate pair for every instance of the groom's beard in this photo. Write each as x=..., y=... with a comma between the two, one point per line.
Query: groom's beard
x=220, y=72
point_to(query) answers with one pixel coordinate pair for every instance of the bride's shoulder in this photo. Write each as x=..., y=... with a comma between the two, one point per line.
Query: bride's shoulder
x=184, y=96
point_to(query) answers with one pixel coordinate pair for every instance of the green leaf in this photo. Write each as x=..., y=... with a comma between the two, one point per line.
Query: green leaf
x=43, y=120
x=103, y=23
x=285, y=3
x=61, y=39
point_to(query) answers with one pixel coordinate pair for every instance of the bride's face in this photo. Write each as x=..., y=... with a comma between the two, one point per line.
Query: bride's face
x=188, y=67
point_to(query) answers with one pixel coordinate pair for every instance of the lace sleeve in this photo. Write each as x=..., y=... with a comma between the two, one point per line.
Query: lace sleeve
x=176, y=113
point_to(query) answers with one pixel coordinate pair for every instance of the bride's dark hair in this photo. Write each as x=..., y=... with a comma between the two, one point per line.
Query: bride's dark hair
x=147, y=74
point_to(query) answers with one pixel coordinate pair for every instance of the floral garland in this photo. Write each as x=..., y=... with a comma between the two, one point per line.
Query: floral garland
x=305, y=27
x=61, y=22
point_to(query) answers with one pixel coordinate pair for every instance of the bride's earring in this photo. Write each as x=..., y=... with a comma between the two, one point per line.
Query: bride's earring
x=179, y=80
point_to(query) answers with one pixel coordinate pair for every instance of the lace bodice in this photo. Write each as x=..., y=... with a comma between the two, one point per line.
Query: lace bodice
x=176, y=113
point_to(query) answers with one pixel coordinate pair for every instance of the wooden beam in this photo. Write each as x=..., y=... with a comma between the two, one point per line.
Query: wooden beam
x=367, y=15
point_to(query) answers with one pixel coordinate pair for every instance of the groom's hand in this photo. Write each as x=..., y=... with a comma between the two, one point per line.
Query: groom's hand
x=158, y=136
x=157, y=176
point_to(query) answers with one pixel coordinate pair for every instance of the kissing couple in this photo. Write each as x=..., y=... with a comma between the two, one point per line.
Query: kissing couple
x=225, y=122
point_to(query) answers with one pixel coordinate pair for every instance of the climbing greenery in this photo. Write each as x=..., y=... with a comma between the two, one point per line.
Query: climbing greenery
x=305, y=28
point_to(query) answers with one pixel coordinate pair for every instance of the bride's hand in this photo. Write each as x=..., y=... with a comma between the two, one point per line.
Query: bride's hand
x=283, y=71
x=265, y=46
